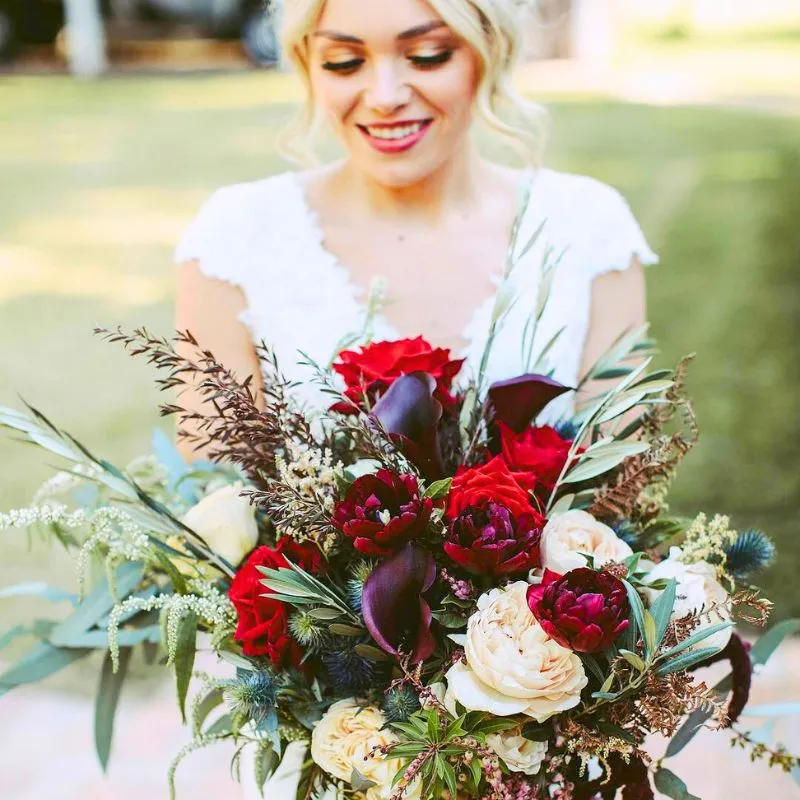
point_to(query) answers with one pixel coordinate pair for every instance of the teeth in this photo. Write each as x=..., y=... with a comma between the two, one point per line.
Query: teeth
x=399, y=132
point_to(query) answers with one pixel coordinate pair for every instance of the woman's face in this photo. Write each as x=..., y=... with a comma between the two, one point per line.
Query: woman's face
x=396, y=83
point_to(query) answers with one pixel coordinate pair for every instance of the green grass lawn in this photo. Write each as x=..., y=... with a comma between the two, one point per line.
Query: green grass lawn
x=98, y=180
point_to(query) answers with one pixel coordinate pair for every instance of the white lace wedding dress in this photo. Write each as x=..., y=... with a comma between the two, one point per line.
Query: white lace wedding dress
x=264, y=238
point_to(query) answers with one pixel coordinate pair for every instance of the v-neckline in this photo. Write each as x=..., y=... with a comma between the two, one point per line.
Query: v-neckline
x=360, y=294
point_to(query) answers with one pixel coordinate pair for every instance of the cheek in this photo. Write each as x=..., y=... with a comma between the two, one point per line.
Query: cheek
x=335, y=96
x=453, y=90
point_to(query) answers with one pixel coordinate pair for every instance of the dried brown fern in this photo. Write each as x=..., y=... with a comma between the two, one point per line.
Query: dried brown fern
x=630, y=493
x=235, y=429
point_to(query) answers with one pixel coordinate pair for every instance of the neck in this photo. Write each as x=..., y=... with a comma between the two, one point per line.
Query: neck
x=452, y=187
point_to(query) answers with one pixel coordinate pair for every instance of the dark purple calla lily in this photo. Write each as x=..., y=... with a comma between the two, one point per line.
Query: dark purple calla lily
x=410, y=414
x=518, y=401
x=394, y=610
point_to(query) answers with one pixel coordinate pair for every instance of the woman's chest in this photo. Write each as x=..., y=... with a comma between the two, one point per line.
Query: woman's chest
x=432, y=282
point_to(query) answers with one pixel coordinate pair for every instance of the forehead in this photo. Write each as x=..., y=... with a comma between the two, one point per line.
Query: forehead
x=374, y=20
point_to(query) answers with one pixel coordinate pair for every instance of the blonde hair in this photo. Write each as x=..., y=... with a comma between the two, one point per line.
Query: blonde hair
x=493, y=28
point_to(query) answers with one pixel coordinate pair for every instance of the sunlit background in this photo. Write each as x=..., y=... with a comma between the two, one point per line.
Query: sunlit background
x=690, y=107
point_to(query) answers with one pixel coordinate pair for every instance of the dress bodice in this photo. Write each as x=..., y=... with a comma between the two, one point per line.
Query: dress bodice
x=263, y=237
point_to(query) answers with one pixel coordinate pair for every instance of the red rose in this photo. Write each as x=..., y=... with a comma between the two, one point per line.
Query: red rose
x=372, y=370
x=382, y=512
x=262, y=629
x=490, y=483
x=536, y=456
x=488, y=539
x=583, y=610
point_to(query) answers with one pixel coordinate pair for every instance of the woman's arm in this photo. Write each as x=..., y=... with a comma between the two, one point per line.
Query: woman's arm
x=209, y=309
x=618, y=304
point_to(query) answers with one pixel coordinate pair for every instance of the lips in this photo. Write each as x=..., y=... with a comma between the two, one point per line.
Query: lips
x=395, y=137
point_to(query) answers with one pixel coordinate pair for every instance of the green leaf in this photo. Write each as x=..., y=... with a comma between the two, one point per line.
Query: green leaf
x=359, y=782
x=449, y=775
x=325, y=614
x=769, y=642
x=773, y=710
x=371, y=653
x=649, y=633
x=438, y=489
x=591, y=468
x=686, y=660
x=105, y=707
x=672, y=786
x=635, y=661
x=210, y=702
x=97, y=604
x=39, y=590
x=637, y=608
x=345, y=630
x=223, y=725
x=39, y=663
x=662, y=611
x=696, y=637
x=185, y=650
x=563, y=504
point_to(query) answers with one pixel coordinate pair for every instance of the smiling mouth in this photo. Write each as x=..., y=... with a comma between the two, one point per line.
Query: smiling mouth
x=395, y=137
x=401, y=130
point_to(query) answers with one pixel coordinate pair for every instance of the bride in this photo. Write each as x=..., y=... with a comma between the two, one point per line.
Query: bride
x=294, y=259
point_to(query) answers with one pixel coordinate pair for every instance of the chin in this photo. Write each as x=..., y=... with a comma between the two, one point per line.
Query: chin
x=402, y=173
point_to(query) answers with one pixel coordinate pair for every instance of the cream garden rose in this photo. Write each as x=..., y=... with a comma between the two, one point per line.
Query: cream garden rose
x=568, y=535
x=513, y=666
x=520, y=754
x=698, y=590
x=343, y=739
x=227, y=522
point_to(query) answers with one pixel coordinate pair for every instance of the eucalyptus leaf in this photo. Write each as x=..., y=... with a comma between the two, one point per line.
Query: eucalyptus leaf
x=661, y=609
x=185, y=650
x=98, y=604
x=671, y=785
x=634, y=660
x=686, y=660
x=359, y=782
x=637, y=608
x=697, y=637
x=39, y=663
x=105, y=707
x=39, y=590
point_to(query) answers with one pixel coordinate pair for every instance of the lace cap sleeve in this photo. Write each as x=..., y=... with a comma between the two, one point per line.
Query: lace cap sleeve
x=615, y=236
x=220, y=236
x=593, y=223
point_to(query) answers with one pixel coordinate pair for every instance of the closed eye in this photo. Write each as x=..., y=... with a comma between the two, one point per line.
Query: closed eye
x=431, y=61
x=348, y=66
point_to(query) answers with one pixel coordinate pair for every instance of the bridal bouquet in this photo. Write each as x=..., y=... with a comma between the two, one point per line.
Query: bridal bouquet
x=425, y=591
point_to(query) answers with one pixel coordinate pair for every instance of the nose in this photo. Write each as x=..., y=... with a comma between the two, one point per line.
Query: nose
x=387, y=90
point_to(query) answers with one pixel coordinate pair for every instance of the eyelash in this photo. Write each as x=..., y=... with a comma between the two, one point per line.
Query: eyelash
x=423, y=62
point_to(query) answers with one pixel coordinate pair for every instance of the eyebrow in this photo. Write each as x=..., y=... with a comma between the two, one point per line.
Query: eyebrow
x=411, y=33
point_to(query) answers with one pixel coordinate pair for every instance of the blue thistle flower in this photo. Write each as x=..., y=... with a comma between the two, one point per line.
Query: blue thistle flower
x=752, y=552
x=348, y=671
x=400, y=703
x=566, y=429
x=355, y=585
x=627, y=533
x=307, y=631
x=252, y=694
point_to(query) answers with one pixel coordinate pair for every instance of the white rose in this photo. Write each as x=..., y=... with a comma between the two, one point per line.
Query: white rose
x=567, y=535
x=697, y=590
x=513, y=666
x=343, y=740
x=227, y=523
x=520, y=754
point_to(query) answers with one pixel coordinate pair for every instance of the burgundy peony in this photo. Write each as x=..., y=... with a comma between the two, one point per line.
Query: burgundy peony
x=382, y=512
x=372, y=370
x=490, y=540
x=536, y=456
x=491, y=482
x=262, y=622
x=583, y=610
